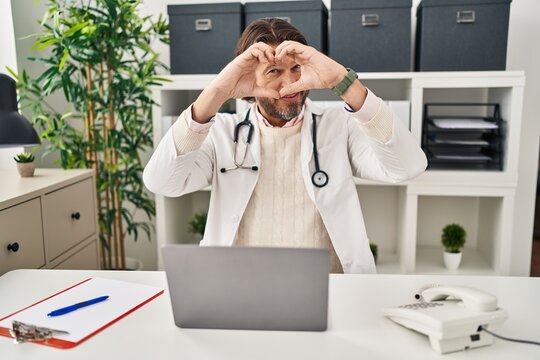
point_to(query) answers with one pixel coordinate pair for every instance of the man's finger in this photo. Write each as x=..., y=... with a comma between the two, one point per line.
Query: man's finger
x=288, y=48
x=263, y=92
x=270, y=55
x=260, y=55
x=267, y=50
x=293, y=88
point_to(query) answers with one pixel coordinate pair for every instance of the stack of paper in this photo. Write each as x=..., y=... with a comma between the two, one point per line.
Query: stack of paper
x=472, y=123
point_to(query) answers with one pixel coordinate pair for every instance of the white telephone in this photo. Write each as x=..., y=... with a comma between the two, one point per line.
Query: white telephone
x=452, y=317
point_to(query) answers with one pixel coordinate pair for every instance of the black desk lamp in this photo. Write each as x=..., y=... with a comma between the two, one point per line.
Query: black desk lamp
x=15, y=129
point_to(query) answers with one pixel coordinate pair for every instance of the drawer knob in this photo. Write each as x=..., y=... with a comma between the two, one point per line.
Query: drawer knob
x=76, y=215
x=13, y=247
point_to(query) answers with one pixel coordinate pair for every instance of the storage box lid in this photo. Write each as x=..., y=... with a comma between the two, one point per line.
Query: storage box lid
x=192, y=9
x=274, y=6
x=370, y=4
x=428, y=3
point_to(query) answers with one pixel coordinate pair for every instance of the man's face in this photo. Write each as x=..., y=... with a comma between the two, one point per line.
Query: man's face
x=276, y=76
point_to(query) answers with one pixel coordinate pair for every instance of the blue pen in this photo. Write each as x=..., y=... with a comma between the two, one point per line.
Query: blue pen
x=76, y=306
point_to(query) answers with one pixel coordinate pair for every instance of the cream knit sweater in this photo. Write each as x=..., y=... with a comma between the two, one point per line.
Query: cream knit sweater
x=280, y=212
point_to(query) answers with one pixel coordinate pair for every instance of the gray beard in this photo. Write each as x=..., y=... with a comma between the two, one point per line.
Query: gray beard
x=292, y=110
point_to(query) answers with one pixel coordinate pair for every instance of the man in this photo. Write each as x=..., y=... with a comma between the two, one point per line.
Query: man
x=291, y=183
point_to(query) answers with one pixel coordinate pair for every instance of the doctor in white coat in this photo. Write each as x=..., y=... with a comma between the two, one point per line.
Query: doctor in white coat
x=284, y=176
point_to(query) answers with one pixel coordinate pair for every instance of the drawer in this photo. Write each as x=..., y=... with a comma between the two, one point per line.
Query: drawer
x=84, y=259
x=68, y=217
x=20, y=226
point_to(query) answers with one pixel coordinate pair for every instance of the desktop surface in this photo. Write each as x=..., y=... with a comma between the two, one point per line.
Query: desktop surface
x=356, y=328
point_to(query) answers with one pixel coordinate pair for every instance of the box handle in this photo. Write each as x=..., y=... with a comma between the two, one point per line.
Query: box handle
x=370, y=19
x=203, y=24
x=466, y=17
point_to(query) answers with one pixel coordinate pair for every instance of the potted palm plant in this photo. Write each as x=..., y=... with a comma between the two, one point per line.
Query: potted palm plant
x=101, y=60
x=25, y=164
x=453, y=239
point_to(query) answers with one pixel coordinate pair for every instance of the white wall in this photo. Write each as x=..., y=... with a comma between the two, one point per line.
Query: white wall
x=523, y=54
x=8, y=58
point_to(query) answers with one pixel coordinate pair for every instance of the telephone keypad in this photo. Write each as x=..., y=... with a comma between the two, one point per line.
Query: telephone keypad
x=421, y=305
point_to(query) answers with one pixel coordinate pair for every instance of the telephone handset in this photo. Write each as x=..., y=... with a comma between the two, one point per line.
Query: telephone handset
x=472, y=298
x=451, y=316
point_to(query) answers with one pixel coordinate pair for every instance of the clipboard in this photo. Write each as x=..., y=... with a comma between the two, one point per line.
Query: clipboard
x=82, y=324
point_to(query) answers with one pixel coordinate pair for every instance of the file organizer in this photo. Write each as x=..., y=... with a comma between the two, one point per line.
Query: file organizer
x=463, y=142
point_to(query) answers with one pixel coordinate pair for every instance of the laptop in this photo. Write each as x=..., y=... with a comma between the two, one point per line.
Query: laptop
x=248, y=288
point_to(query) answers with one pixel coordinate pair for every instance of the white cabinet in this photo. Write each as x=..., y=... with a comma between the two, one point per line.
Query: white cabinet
x=49, y=220
x=406, y=219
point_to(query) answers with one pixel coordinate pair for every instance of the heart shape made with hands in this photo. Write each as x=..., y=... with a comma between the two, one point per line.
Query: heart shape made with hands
x=246, y=75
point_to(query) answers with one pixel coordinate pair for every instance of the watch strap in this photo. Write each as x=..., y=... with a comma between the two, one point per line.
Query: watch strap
x=346, y=82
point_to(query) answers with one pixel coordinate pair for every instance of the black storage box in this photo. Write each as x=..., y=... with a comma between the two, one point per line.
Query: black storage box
x=371, y=35
x=310, y=17
x=461, y=35
x=203, y=36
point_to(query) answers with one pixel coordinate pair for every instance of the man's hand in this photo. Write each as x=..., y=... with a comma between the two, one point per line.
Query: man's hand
x=318, y=70
x=235, y=81
x=238, y=78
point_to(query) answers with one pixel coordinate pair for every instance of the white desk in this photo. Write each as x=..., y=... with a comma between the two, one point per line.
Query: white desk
x=356, y=328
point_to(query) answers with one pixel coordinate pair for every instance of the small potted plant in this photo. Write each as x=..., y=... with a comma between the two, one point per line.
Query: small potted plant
x=25, y=164
x=453, y=238
x=374, y=250
x=198, y=223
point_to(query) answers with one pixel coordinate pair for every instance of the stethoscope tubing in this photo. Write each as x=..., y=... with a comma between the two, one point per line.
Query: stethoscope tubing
x=319, y=178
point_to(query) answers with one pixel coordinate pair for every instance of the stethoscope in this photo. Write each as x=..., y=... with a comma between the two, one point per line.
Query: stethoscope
x=319, y=177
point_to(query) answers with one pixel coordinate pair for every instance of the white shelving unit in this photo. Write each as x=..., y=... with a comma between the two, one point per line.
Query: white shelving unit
x=406, y=219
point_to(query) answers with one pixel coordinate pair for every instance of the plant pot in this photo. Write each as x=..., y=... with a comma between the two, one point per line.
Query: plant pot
x=26, y=169
x=131, y=264
x=452, y=260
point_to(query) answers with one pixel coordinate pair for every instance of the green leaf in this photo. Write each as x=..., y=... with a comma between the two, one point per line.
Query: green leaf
x=41, y=45
x=13, y=73
x=30, y=36
x=64, y=59
x=75, y=28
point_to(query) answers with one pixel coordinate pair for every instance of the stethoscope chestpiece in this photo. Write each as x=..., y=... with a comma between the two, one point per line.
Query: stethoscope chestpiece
x=319, y=178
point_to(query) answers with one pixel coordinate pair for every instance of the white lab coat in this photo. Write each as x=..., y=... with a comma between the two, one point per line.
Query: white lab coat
x=344, y=151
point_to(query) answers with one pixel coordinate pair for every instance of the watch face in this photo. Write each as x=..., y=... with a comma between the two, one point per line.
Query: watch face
x=319, y=178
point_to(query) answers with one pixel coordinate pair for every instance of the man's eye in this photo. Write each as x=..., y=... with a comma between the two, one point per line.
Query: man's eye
x=273, y=71
x=296, y=67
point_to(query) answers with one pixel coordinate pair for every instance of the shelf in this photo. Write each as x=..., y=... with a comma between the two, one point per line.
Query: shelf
x=388, y=263
x=405, y=219
x=429, y=260
x=187, y=81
